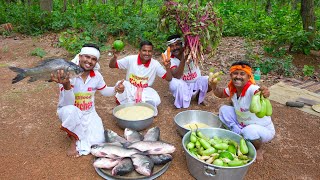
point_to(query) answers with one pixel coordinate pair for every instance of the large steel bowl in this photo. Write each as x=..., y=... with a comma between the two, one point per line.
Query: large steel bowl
x=137, y=125
x=195, y=116
x=204, y=171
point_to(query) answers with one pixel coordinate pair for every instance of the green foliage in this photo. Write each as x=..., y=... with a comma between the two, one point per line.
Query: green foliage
x=308, y=70
x=38, y=52
x=282, y=66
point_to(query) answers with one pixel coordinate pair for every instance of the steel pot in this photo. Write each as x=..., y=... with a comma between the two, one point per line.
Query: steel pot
x=195, y=116
x=137, y=125
x=201, y=170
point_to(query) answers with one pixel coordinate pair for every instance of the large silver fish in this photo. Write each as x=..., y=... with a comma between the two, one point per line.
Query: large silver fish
x=44, y=69
x=106, y=163
x=142, y=164
x=112, y=151
x=153, y=147
x=123, y=167
x=112, y=137
x=152, y=134
x=132, y=135
x=161, y=159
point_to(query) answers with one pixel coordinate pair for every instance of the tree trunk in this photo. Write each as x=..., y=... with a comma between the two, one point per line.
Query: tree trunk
x=308, y=15
x=46, y=5
x=65, y=3
x=140, y=13
x=268, y=7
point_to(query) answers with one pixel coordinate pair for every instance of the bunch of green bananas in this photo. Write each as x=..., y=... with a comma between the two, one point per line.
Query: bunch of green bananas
x=260, y=105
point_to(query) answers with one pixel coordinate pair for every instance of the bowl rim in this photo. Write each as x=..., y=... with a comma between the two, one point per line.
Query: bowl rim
x=194, y=110
x=133, y=104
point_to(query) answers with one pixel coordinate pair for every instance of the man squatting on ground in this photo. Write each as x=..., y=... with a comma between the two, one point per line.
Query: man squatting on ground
x=187, y=82
x=141, y=72
x=76, y=108
x=238, y=117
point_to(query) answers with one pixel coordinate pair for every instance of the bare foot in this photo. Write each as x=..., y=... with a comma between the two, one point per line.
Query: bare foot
x=72, y=151
x=204, y=103
x=260, y=153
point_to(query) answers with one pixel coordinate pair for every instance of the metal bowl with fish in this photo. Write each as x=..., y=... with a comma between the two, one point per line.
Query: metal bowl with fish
x=136, y=116
x=195, y=119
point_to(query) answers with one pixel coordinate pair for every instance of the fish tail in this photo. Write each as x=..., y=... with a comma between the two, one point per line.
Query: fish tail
x=21, y=74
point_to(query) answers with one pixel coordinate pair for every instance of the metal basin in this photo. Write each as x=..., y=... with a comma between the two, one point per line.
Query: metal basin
x=137, y=125
x=195, y=116
x=204, y=171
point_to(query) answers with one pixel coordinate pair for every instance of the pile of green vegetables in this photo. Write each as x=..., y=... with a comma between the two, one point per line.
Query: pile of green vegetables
x=217, y=151
x=260, y=105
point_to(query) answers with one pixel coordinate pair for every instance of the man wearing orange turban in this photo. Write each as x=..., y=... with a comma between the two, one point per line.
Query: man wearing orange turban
x=238, y=117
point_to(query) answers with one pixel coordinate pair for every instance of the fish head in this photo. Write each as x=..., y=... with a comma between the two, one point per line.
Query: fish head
x=74, y=69
x=96, y=149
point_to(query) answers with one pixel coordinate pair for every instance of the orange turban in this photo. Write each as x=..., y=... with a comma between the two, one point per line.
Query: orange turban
x=244, y=68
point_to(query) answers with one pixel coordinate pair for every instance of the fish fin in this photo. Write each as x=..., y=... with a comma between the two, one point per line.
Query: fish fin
x=32, y=79
x=45, y=61
x=21, y=74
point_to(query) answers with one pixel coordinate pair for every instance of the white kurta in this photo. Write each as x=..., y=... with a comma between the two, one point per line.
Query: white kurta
x=76, y=110
x=140, y=77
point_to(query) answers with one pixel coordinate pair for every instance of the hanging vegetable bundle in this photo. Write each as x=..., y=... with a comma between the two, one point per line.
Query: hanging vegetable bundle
x=200, y=26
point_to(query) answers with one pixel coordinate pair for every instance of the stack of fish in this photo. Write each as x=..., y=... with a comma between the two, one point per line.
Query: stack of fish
x=134, y=152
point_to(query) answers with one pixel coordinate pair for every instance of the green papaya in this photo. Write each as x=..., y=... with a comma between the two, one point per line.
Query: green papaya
x=263, y=110
x=243, y=146
x=255, y=105
x=269, y=107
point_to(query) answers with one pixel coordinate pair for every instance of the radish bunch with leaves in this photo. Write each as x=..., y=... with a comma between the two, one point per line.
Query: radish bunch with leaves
x=200, y=26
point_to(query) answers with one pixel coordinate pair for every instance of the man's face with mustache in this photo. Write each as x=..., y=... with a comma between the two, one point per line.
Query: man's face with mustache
x=239, y=78
x=176, y=48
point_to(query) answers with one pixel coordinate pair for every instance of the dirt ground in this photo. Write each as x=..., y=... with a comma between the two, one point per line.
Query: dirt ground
x=33, y=146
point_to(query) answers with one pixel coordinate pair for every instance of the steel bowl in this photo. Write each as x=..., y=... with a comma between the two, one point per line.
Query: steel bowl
x=195, y=116
x=137, y=125
x=204, y=171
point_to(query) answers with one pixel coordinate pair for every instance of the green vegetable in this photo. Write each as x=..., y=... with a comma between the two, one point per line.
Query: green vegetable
x=243, y=146
x=118, y=45
x=255, y=105
x=190, y=145
x=269, y=107
x=263, y=110
x=205, y=144
x=232, y=149
x=226, y=154
x=198, y=145
x=221, y=146
x=218, y=162
x=235, y=162
x=209, y=151
x=193, y=138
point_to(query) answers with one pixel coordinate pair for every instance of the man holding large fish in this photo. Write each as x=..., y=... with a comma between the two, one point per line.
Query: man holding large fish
x=76, y=108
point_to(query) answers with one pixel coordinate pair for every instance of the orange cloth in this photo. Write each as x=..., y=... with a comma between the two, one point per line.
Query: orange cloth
x=244, y=68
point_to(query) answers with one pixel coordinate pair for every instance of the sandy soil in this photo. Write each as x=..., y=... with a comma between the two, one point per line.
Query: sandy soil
x=33, y=146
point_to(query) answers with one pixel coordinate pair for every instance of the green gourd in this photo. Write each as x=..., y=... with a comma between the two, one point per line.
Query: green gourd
x=263, y=110
x=255, y=105
x=269, y=107
x=243, y=146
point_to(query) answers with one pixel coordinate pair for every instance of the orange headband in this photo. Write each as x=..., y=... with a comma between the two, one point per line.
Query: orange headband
x=244, y=68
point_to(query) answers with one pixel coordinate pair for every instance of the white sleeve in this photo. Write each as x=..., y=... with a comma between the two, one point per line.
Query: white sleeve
x=108, y=91
x=160, y=70
x=124, y=62
x=66, y=97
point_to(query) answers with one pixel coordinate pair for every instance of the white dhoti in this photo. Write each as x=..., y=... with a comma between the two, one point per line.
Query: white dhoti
x=183, y=91
x=149, y=95
x=86, y=127
x=250, y=132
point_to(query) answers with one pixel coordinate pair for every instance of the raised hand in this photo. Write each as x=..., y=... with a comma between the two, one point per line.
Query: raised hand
x=166, y=59
x=62, y=78
x=120, y=87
